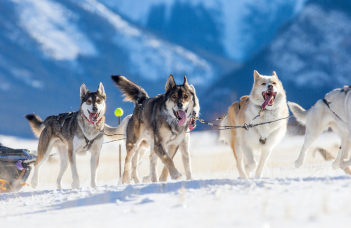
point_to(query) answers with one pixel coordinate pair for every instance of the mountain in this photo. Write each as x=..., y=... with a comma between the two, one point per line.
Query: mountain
x=311, y=55
x=48, y=48
x=223, y=28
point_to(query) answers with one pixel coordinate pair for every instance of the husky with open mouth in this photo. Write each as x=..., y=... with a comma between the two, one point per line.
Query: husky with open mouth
x=269, y=96
x=159, y=124
x=72, y=133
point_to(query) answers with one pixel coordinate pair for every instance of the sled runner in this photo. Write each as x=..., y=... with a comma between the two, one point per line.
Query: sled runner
x=15, y=167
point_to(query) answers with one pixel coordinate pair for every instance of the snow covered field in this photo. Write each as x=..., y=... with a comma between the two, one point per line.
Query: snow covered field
x=312, y=196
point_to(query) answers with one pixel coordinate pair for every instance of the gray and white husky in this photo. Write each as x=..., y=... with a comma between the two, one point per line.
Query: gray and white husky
x=333, y=111
x=71, y=134
x=160, y=124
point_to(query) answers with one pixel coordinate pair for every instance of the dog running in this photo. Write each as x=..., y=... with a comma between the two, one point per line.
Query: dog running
x=160, y=124
x=268, y=98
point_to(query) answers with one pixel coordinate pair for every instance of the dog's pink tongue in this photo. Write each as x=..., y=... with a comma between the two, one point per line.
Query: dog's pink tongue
x=267, y=101
x=92, y=116
x=182, y=116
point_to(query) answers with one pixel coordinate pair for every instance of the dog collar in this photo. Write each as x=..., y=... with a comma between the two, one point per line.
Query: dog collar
x=91, y=121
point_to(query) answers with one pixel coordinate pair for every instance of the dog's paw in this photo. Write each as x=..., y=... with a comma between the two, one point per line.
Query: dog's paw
x=163, y=178
x=93, y=184
x=176, y=175
x=250, y=167
x=75, y=184
x=146, y=179
x=189, y=178
x=336, y=165
x=298, y=164
x=344, y=165
x=34, y=183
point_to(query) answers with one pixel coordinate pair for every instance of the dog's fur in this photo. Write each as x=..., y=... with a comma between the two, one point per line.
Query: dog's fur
x=245, y=143
x=157, y=124
x=70, y=138
x=320, y=117
x=143, y=148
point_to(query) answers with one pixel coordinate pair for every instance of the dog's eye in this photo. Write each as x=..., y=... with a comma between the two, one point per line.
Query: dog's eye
x=186, y=96
x=174, y=96
x=98, y=101
x=88, y=102
x=274, y=83
x=264, y=84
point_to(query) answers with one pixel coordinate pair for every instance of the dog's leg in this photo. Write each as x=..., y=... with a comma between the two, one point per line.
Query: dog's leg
x=94, y=161
x=137, y=158
x=73, y=163
x=161, y=153
x=131, y=149
x=184, y=149
x=265, y=154
x=153, y=169
x=345, y=148
x=238, y=154
x=172, y=150
x=251, y=162
x=45, y=146
x=313, y=129
x=64, y=165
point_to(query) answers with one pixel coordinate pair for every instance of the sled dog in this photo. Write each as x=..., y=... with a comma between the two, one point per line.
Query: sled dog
x=72, y=134
x=268, y=95
x=160, y=124
x=333, y=111
x=139, y=154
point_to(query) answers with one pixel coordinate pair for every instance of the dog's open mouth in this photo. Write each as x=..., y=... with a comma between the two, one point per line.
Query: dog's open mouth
x=269, y=97
x=93, y=116
x=181, y=116
x=192, y=124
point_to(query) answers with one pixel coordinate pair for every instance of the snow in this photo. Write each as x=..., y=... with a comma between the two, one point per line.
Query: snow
x=53, y=27
x=312, y=196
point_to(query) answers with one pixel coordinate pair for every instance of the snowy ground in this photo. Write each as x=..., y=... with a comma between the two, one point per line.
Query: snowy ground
x=312, y=196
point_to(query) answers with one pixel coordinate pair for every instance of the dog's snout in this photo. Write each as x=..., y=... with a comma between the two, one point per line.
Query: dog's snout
x=270, y=87
x=180, y=105
x=95, y=109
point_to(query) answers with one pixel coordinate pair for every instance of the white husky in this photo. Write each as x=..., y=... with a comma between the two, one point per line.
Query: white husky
x=267, y=94
x=333, y=111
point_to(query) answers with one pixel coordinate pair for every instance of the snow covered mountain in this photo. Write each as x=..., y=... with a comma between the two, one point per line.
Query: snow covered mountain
x=48, y=48
x=221, y=27
x=311, y=55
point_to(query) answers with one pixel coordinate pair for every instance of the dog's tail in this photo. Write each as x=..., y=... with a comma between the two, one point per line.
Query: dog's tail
x=299, y=112
x=131, y=91
x=36, y=123
x=119, y=132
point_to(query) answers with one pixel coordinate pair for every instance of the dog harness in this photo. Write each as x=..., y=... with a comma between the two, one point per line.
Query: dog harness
x=261, y=140
x=327, y=103
x=66, y=116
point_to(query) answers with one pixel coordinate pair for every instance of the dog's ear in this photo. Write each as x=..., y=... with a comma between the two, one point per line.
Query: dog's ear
x=274, y=74
x=192, y=88
x=257, y=76
x=185, y=83
x=170, y=83
x=101, y=90
x=83, y=91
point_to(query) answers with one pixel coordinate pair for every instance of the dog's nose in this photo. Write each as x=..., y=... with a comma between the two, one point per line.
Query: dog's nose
x=95, y=109
x=270, y=87
x=180, y=105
